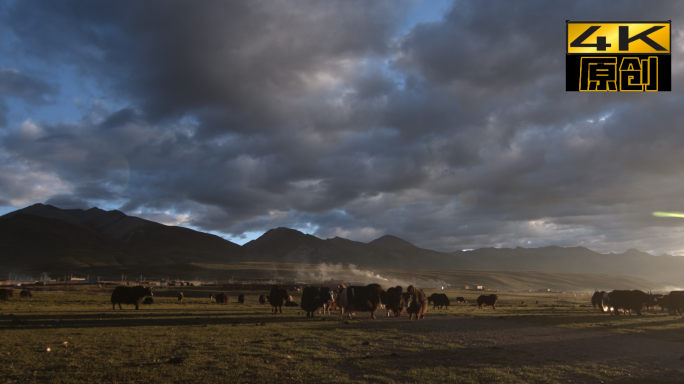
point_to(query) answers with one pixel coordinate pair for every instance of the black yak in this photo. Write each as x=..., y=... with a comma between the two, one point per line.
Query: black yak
x=626, y=300
x=221, y=298
x=439, y=300
x=338, y=302
x=5, y=294
x=395, y=300
x=487, y=300
x=362, y=299
x=674, y=302
x=277, y=298
x=129, y=295
x=311, y=300
x=597, y=298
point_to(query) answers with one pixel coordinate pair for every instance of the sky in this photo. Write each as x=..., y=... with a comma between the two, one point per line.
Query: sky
x=444, y=123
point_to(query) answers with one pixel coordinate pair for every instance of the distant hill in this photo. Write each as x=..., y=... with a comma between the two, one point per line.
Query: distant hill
x=391, y=252
x=578, y=260
x=392, y=242
x=289, y=245
x=45, y=238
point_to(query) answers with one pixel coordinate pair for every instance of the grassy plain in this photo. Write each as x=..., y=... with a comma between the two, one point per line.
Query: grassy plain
x=89, y=342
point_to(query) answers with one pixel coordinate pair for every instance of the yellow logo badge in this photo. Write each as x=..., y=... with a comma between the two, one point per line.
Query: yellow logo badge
x=605, y=56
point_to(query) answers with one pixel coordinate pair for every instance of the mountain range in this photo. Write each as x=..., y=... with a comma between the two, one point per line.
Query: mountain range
x=43, y=238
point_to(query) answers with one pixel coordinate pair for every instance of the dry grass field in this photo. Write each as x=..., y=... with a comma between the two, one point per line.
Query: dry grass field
x=559, y=340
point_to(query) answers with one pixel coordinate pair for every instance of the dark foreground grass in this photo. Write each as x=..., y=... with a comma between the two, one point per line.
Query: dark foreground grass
x=91, y=343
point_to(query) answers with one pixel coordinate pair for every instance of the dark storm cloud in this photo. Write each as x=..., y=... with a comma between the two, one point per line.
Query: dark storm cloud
x=506, y=59
x=14, y=83
x=539, y=156
x=68, y=202
x=119, y=118
x=30, y=89
x=242, y=116
x=236, y=64
x=3, y=113
x=499, y=45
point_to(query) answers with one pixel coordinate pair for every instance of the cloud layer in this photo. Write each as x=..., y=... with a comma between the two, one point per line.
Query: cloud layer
x=341, y=119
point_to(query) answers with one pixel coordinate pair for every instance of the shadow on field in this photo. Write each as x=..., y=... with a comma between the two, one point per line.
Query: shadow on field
x=158, y=317
x=508, y=342
x=627, y=322
x=547, y=361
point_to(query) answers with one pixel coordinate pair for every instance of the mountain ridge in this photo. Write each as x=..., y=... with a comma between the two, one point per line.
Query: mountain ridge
x=48, y=238
x=42, y=236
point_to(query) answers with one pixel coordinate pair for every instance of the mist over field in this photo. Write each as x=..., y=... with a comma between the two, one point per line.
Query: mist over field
x=351, y=273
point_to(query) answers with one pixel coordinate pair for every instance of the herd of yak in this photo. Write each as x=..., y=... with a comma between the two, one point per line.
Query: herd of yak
x=314, y=299
x=371, y=297
x=628, y=301
x=6, y=293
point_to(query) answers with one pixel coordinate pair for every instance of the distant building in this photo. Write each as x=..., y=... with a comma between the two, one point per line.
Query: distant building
x=75, y=278
x=473, y=287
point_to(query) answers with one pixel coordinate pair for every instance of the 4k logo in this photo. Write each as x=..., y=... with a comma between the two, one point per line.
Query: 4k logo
x=618, y=56
x=605, y=37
